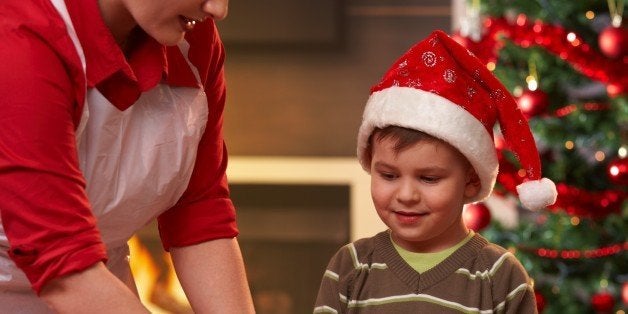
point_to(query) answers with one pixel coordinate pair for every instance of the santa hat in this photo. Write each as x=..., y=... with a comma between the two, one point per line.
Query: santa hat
x=440, y=88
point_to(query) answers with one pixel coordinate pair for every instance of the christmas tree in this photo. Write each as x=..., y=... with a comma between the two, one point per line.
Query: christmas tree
x=566, y=62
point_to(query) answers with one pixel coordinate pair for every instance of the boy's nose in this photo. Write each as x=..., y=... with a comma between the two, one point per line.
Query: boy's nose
x=407, y=193
x=217, y=9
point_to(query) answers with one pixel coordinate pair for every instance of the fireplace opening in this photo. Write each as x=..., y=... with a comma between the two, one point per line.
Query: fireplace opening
x=288, y=233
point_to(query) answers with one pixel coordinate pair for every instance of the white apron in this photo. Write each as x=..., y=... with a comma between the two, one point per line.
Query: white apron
x=137, y=163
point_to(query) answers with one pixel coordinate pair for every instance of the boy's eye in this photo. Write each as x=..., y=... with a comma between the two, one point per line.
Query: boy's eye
x=387, y=175
x=430, y=179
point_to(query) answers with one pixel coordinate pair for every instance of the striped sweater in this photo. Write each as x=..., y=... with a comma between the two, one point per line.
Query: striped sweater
x=369, y=276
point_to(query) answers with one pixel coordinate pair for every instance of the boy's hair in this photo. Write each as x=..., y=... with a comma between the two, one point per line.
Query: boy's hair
x=404, y=138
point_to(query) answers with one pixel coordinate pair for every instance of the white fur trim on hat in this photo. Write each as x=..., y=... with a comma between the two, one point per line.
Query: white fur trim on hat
x=537, y=194
x=435, y=115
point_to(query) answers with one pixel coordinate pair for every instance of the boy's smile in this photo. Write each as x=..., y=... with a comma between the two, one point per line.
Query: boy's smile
x=419, y=192
x=409, y=217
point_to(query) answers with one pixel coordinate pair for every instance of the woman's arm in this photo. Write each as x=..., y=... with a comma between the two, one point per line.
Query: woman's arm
x=94, y=290
x=213, y=277
x=45, y=212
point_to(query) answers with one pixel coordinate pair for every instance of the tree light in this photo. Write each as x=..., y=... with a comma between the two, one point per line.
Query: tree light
x=573, y=39
x=569, y=145
x=614, y=170
x=532, y=83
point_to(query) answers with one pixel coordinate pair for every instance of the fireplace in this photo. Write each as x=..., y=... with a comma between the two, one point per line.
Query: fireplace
x=287, y=234
x=293, y=214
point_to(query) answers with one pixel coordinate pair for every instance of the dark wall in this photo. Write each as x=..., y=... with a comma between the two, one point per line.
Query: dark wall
x=301, y=93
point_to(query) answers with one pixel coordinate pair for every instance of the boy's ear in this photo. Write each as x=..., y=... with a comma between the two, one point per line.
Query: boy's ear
x=473, y=184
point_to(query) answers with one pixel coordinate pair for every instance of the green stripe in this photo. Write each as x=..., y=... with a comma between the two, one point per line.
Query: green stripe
x=324, y=309
x=523, y=287
x=434, y=300
x=354, y=255
x=357, y=264
x=487, y=273
x=415, y=298
x=331, y=275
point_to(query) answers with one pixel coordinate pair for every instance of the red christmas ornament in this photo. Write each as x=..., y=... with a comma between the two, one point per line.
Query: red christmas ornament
x=540, y=301
x=617, y=171
x=613, y=42
x=615, y=89
x=533, y=102
x=476, y=216
x=603, y=302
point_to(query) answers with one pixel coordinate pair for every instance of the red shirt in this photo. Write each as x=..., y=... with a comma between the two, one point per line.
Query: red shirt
x=43, y=205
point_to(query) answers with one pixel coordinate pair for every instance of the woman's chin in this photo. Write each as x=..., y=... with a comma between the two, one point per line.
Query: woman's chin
x=171, y=40
x=171, y=37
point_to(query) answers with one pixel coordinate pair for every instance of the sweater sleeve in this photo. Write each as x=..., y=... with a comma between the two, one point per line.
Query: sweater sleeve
x=205, y=211
x=512, y=288
x=44, y=208
x=331, y=294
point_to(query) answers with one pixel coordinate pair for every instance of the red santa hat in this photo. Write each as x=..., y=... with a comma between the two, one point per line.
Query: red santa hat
x=440, y=88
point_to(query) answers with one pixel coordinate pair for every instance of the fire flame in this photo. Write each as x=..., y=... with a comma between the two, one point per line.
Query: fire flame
x=163, y=296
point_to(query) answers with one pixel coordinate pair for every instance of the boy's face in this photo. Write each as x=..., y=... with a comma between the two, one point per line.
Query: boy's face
x=419, y=193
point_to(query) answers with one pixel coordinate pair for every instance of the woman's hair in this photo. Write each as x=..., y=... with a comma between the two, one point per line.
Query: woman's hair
x=403, y=137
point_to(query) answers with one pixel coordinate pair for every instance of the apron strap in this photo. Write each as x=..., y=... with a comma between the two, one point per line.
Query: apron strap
x=63, y=11
x=184, y=46
x=65, y=15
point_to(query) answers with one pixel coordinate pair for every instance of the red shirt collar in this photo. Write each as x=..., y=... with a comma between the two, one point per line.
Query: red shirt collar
x=120, y=79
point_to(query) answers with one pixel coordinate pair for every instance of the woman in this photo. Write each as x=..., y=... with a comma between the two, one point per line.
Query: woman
x=111, y=114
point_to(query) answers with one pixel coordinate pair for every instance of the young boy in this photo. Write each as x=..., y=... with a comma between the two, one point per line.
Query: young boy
x=426, y=139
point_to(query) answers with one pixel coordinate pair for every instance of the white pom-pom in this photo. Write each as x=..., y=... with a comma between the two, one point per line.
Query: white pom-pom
x=537, y=194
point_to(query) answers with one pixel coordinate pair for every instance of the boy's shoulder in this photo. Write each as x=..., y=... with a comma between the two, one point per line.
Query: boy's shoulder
x=491, y=250
x=363, y=246
x=493, y=257
x=369, y=244
x=360, y=251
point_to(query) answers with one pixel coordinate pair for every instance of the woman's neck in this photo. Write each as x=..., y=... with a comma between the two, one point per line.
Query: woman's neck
x=118, y=19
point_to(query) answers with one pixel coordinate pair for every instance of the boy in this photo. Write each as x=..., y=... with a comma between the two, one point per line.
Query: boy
x=426, y=139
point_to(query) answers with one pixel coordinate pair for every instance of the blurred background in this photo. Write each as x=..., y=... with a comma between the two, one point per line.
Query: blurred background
x=298, y=76
x=299, y=72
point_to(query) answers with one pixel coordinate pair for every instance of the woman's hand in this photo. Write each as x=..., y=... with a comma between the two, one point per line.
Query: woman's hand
x=94, y=290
